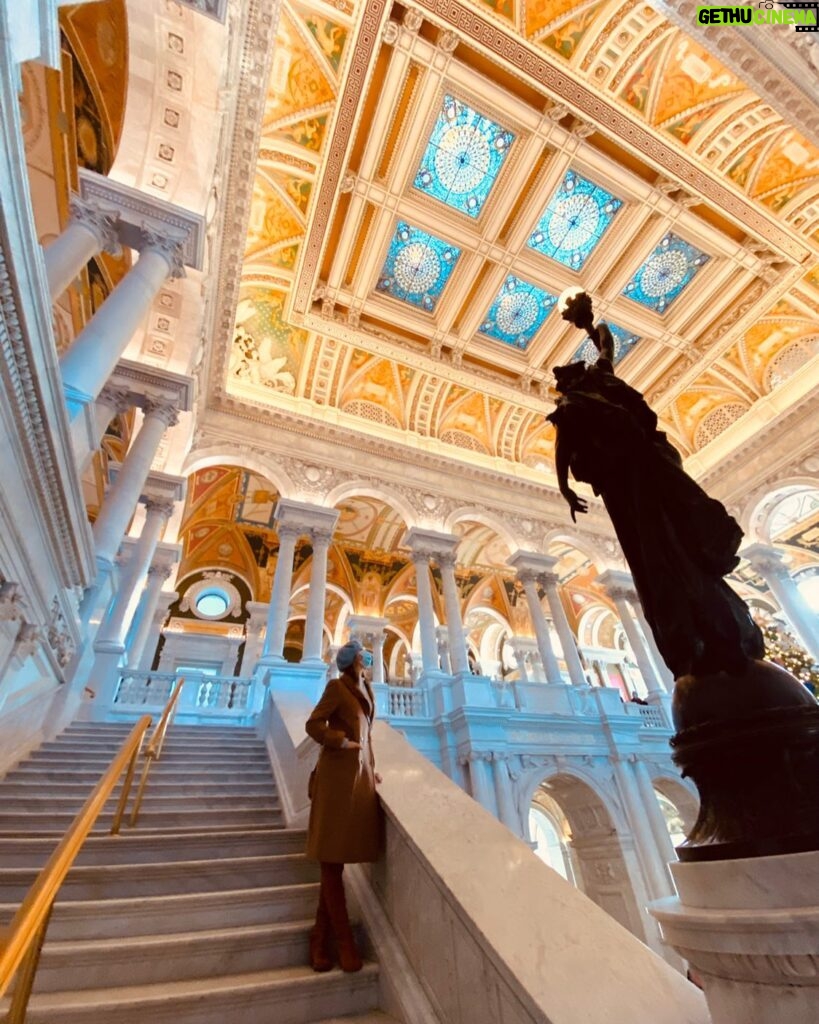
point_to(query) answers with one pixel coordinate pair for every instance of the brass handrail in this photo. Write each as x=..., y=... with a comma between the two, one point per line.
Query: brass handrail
x=154, y=749
x=22, y=940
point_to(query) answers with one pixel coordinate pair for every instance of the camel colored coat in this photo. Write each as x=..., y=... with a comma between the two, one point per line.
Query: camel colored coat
x=345, y=826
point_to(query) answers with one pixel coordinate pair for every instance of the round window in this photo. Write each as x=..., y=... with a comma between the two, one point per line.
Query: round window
x=212, y=604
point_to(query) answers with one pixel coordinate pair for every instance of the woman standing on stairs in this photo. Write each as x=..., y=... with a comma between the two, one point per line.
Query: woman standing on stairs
x=345, y=825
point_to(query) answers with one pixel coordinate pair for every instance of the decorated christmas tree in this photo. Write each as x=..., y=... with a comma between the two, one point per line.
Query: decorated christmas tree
x=784, y=649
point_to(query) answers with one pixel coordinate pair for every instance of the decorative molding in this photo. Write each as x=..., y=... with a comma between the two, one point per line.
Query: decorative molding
x=148, y=383
x=140, y=213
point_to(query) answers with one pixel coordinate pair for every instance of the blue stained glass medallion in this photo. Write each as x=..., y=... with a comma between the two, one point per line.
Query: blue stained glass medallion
x=624, y=342
x=666, y=272
x=417, y=267
x=463, y=158
x=518, y=312
x=575, y=220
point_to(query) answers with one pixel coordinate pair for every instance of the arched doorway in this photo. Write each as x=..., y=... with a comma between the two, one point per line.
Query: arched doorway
x=574, y=819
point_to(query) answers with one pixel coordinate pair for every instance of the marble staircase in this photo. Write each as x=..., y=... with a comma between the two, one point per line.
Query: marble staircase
x=198, y=916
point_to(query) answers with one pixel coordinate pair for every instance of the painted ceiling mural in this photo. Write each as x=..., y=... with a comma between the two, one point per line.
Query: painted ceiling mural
x=407, y=240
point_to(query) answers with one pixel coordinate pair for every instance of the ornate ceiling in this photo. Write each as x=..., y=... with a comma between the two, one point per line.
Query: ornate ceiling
x=431, y=176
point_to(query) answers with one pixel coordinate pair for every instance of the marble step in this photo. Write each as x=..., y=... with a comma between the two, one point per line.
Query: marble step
x=138, y=847
x=292, y=995
x=39, y=821
x=180, y=956
x=179, y=800
x=119, y=881
x=38, y=788
x=203, y=760
x=161, y=915
x=179, y=748
x=159, y=773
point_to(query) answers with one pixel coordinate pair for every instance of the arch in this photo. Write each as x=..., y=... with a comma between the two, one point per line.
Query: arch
x=755, y=517
x=353, y=489
x=582, y=544
x=605, y=874
x=478, y=515
x=681, y=794
x=219, y=455
x=215, y=568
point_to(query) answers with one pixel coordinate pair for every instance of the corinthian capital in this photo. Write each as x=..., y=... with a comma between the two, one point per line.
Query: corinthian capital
x=161, y=409
x=159, y=507
x=166, y=244
x=99, y=220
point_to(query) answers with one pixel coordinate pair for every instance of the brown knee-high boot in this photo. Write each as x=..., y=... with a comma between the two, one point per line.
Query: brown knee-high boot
x=332, y=886
x=320, y=958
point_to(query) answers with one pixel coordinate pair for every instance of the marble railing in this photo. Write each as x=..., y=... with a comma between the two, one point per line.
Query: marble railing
x=203, y=695
x=503, y=938
x=403, y=701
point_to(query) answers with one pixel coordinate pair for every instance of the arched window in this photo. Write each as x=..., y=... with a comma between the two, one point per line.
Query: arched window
x=552, y=846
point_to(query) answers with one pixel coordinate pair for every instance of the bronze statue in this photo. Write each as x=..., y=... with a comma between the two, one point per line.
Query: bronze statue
x=747, y=731
x=678, y=542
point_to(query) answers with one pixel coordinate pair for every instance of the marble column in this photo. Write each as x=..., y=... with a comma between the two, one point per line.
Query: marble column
x=145, y=613
x=482, y=780
x=454, y=622
x=529, y=578
x=503, y=793
x=166, y=599
x=256, y=621
x=564, y=630
x=666, y=676
x=654, y=813
x=620, y=589
x=655, y=871
x=314, y=627
x=279, y=608
x=121, y=500
x=109, y=643
x=520, y=659
x=91, y=230
x=426, y=615
x=97, y=349
x=369, y=629
x=112, y=401
x=112, y=629
x=767, y=562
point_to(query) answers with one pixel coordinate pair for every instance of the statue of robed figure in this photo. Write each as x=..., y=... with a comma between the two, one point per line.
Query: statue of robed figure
x=679, y=544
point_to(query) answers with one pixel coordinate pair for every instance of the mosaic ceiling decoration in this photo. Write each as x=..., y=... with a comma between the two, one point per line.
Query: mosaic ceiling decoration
x=665, y=274
x=518, y=312
x=575, y=220
x=624, y=342
x=463, y=158
x=417, y=267
x=500, y=213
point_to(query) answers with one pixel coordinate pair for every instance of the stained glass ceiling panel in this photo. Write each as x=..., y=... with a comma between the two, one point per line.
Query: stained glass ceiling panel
x=624, y=342
x=518, y=312
x=417, y=267
x=575, y=220
x=667, y=271
x=463, y=158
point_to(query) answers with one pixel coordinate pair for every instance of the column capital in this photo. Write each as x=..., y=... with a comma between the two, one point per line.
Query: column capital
x=160, y=571
x=161, y=409
x=430, y=543
x=118, y=398
x=160, y=507
x=532, y=561
x=304, y=516
x=167, y=244
x=766, y=560
x=446, y=559
x=618, y=585
x=527, y=576
x=480, y=755
x=289, y=531
x=101, y=221
x=321, y=536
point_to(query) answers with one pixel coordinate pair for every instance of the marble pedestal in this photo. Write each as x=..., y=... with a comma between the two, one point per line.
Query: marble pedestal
x=749, y=928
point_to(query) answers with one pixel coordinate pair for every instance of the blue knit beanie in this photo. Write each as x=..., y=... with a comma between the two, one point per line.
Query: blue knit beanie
x=346, y=654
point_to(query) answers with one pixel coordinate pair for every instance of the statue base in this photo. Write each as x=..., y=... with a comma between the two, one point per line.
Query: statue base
x=750, y=743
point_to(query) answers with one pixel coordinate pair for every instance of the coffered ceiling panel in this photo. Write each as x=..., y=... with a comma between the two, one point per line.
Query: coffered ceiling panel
x=431, y=177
